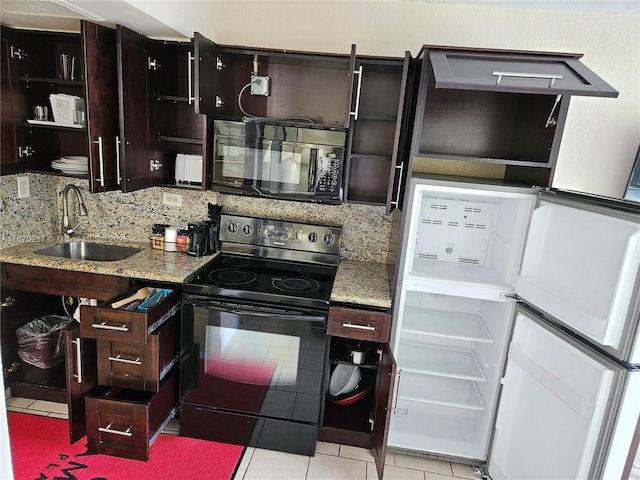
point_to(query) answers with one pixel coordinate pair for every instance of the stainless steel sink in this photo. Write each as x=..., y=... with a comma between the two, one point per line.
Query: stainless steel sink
x=97, y=252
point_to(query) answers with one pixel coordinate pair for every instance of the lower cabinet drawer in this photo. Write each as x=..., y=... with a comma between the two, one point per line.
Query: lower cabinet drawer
x=139, y=366
x=125, y=423
x=360, y=324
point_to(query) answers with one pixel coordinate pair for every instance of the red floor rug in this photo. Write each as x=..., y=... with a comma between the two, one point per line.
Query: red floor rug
x=41, y=450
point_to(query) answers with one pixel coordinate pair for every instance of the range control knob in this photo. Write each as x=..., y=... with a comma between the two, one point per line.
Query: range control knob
x=328, y=239
x=313, y=237
x=247, y=229
x=232, y=227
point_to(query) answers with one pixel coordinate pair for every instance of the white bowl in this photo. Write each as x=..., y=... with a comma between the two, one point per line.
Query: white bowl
x=344, y=379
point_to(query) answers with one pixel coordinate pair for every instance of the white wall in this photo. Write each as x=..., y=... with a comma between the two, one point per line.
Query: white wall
x=601, y=135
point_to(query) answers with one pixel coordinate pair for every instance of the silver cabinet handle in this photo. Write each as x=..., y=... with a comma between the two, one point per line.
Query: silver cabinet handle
x=108, y=429
x=549, y=76
x=397, y=200
x=394, y=409
x=355, y=112
x=119, y=178
x=118, y=358
x=100, y=160
x=359, y=327
x=190, y=58
x=104, y=326
x=78, y=376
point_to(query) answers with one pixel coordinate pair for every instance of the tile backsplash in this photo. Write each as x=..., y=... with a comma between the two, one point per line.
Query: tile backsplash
x=129, y=216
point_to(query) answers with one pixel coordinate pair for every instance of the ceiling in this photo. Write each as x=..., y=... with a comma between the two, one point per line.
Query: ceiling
x=65, y=15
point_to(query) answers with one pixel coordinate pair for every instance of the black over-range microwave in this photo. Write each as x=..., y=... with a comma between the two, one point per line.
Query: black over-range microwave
x=278, y=161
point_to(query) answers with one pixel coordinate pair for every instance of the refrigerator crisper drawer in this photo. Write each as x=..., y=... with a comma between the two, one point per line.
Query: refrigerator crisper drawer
x=581, y=267
x=467, y=234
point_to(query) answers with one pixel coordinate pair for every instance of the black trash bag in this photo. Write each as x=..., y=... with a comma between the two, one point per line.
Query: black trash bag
x=40, y=342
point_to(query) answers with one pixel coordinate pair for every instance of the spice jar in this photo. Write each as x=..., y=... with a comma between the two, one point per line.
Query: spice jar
x=182, y=241
x=157, y=236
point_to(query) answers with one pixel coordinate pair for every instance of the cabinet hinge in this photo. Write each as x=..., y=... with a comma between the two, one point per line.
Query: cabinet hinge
x=25, y=152
x=153, y=63
x=219, y=102
x=155, y=165
x=219, y=64
x=371, y=422
x=18, y=53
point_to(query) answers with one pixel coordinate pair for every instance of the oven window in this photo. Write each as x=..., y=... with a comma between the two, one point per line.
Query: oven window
x=256, y=365
x=249, y=356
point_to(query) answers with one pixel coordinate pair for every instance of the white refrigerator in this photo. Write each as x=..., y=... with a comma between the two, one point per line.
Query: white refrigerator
x=516, y=330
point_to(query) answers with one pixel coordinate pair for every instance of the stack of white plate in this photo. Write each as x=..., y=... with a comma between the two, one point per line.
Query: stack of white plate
x=72, y=165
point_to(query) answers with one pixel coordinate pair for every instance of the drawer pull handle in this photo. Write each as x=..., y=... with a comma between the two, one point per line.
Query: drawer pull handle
x=359, y=327
x=119, y=358
x=104, y=326
x=108, y=429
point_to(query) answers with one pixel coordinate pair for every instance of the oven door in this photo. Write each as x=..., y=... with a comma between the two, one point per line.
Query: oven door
x=252, y=374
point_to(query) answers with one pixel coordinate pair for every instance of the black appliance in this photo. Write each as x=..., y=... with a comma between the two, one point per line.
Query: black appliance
x=254, y=340
x=279, y=161
x=204, y=235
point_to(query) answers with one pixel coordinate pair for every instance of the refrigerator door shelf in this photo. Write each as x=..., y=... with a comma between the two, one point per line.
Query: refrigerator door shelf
x=555, y=401
x=581, y=267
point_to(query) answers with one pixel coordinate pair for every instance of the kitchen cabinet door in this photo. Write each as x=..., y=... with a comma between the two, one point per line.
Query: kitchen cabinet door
x=206, y=75
x=31, y=74
x=378, y=131
x=158, y=120
x=135, y=55
x=8, y=105
x=495, y=114
x=385, y=381
x=82, y=377
x=101, y=97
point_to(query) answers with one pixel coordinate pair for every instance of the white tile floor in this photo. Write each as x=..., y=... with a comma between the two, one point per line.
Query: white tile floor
x=331, y=461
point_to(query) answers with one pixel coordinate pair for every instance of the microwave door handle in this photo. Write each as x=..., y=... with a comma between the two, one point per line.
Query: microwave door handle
x=313, y=169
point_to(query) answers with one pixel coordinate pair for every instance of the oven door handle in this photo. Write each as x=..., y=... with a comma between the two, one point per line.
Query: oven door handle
x=281, y=315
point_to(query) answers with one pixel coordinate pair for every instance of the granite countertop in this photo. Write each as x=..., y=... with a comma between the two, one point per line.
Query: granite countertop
x=362, y=283
x=356, y=282
x=148, y=264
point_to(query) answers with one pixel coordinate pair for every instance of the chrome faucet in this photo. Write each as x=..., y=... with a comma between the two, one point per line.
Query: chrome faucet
x=66, y=227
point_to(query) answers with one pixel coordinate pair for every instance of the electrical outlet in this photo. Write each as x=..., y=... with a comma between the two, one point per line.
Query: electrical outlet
x=23, y=187
x=171, y=199
x=260, y=85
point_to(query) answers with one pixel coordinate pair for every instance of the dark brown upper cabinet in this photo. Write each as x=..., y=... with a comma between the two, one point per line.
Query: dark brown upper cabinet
x=101, y=99
x=304, y=87
x=495, y=113
x=161, y=99
x=378, y=130
x=32, y=72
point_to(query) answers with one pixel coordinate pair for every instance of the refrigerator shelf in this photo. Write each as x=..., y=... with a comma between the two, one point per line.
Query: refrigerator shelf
x=447, y=392
x=444, y=362
x=460, y=326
